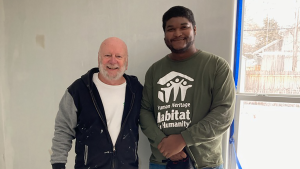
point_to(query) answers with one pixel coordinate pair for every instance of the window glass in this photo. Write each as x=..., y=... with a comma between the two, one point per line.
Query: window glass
x=270, y=60
x=269, y=135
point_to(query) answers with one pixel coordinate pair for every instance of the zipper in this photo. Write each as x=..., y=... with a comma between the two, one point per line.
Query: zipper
x=86, y=152
x=98, y=111
x=122, y=127
x=114, y=157
x=132, y=101
x=136, y=147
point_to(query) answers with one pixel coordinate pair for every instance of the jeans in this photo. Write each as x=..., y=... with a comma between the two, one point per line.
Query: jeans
x=158, y=166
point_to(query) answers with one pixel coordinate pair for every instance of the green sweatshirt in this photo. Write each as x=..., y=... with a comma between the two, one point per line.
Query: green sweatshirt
x=195, y=98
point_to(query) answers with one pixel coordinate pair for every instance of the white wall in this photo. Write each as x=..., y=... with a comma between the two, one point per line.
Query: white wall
x=2, y=70
x=46, y=45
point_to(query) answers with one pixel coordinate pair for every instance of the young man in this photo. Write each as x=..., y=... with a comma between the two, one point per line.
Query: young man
x=101, y=110
x=188, y=98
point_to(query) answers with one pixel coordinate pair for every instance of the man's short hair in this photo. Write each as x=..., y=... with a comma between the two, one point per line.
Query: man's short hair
x=178, y=11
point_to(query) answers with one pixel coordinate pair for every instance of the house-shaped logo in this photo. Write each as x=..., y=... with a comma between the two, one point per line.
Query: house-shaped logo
x=173, y=81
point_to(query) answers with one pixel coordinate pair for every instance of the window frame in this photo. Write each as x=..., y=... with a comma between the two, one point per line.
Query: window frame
x=247, y=96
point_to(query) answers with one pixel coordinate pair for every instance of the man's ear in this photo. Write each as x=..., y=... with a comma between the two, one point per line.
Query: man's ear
x=195, y=30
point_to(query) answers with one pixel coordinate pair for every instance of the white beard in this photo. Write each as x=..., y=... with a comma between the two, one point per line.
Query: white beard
x=117, y=76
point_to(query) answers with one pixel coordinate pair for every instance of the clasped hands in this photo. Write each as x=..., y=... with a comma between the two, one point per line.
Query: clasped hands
x=172, y=147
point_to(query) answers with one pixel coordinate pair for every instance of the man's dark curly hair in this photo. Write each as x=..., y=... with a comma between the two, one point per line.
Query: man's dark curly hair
x=178, y=11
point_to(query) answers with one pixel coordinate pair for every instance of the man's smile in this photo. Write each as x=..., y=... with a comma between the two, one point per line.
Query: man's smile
x=112, y=67
x=178, y=39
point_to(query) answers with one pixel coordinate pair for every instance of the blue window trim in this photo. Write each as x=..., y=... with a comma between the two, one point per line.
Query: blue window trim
x=237, y=53
x=238, y=29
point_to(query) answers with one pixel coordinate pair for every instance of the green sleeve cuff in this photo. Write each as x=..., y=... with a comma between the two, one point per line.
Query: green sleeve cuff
x=187, y=138
x=158, y=138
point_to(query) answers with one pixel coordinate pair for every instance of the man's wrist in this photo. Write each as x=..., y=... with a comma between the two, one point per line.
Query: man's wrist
x=182, y=141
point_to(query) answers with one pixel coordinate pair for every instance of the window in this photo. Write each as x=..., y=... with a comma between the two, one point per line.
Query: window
x=268, y=91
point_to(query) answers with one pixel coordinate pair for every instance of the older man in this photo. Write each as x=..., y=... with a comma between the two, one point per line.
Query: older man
x=101, y=110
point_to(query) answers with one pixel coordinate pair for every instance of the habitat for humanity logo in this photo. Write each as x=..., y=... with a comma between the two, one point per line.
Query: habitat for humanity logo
x=177, y=112
x=173, y=81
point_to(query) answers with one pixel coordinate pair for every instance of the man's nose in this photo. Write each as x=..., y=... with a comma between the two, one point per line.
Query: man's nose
x=177, y=32
x=113, y=60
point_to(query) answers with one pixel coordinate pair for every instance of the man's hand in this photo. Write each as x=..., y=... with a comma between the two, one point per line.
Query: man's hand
x=180, y=156
x=171, y=145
